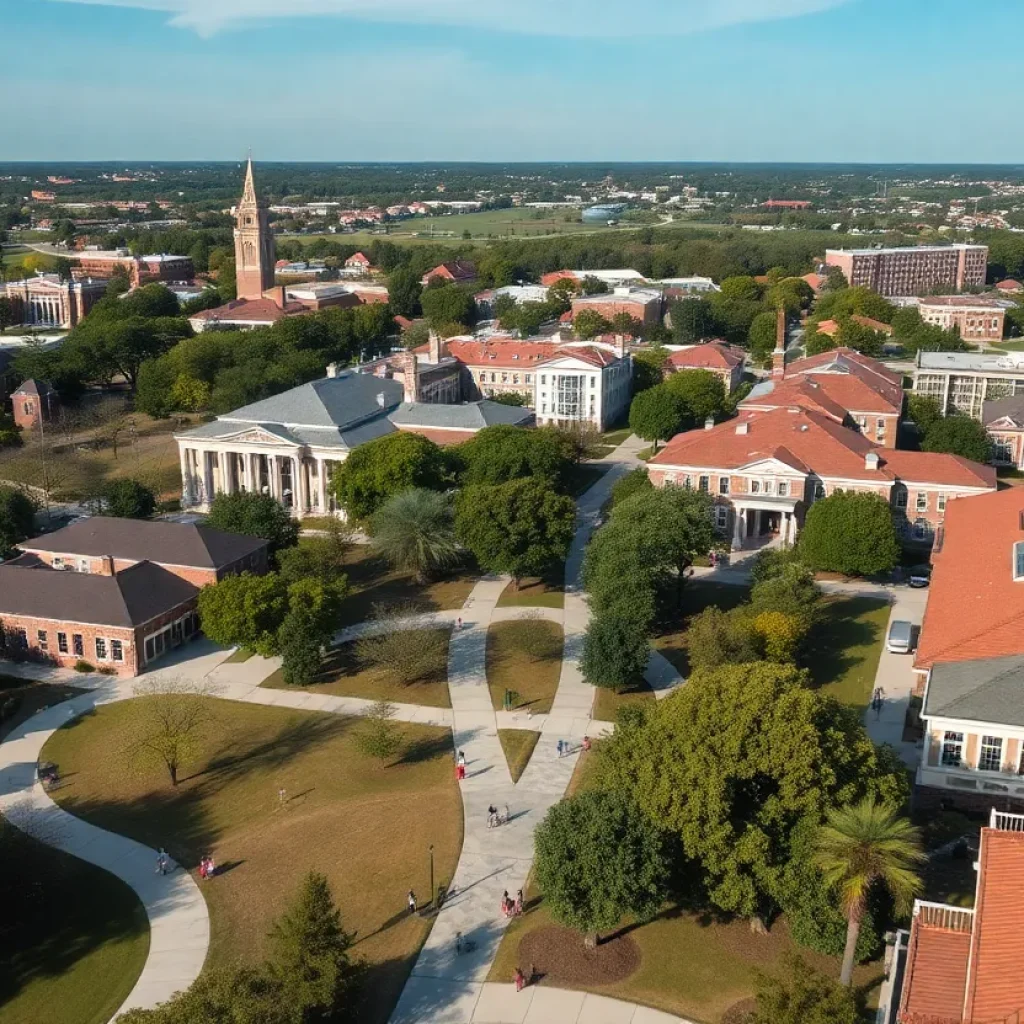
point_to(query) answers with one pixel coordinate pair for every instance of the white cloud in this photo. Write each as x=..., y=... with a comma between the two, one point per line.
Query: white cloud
x=595, y=18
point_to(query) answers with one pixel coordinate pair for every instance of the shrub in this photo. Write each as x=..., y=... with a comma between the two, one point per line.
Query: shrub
x=717, y=638
x=84, y=666
x=632, y=483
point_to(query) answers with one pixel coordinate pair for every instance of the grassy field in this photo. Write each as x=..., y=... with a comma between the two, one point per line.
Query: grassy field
x=544, y=592
x=82, y=467
x=366, y=827
x=74, y=938
x=525, y=657
x=375, y=584
x=691, y=966
x=608, y=702
x=344, y=674
x=518, y=746
x=846, y=649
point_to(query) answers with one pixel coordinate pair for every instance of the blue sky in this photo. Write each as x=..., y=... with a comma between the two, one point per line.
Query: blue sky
x=744, y=80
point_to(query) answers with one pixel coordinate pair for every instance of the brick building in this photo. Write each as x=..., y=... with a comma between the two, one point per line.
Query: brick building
x=643, y=304
x=1003, y=418
x=724, y=361
x=32, y=401
x=452, y=272
x=102, y=264
x=47, y=301
x=970, y=658
x=912, y=270
x=765, y=469
x=962, y=963
x=851, y=389
x=116, y=593
x=977, y=317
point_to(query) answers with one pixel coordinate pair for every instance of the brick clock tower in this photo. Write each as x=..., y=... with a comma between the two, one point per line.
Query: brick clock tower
x=254, y=243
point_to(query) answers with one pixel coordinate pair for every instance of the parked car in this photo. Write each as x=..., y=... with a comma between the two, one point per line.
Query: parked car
x=901, y=637
x=919, y=575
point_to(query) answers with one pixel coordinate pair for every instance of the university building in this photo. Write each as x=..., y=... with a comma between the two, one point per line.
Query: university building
x=913, y=269
x=976, y=317
x=47, y=301
x=962, y=382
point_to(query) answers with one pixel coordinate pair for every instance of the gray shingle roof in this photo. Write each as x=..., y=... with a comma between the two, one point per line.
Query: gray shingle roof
x=1000, y=407
x=148, y=539
x=470, y=416
x=986, y=690
x=127, y=599
x=341, y=401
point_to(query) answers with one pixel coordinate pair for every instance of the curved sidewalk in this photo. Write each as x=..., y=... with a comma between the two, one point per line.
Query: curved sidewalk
x=179, y=925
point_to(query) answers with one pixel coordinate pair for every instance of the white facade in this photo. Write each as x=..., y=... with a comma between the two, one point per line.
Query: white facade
x=571, y=388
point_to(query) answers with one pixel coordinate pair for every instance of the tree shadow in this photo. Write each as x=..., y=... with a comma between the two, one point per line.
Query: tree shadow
x=426, y=750
x=830, y=650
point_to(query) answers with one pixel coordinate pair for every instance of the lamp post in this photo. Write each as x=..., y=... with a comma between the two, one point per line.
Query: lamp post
x=432, y=896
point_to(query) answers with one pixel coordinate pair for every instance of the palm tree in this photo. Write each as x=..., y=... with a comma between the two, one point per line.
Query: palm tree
x=415, y=531
x=862, y=844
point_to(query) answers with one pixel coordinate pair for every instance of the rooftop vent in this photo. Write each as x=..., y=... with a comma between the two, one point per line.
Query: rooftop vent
x=380, y=399
x=871, y=460
x=743, y=428
x=803, y=428
x=709, y=423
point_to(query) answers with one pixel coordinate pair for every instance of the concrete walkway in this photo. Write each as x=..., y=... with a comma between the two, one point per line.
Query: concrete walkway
x=501, y=1004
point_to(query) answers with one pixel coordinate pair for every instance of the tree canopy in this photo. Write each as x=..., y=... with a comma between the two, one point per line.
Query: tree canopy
x=384, y=467
x=615, y=652
x=958, y=435
x=851, y=533
x=703, y=393
x=499, y=454
x=733, y=761
x=255, y=515
x=17, y=518
x=415, y=531
x=597, y=859
x=521, y=527
x=658, y=413
x=129, y=499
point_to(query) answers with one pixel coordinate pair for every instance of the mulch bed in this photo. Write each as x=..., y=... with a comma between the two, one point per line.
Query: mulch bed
x=559, y=957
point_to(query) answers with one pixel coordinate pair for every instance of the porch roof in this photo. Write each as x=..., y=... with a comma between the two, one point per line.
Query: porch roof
x=984, y=690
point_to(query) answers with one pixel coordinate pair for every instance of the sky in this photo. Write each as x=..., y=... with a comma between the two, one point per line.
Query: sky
x=872, y=81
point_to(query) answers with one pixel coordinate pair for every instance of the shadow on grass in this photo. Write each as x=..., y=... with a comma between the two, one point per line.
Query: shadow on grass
x=426, y=750
x=843, y=639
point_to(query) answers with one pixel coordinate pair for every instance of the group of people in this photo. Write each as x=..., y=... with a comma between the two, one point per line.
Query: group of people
x=207, y=869
x=496, y=818
x=512, y=907
x=565, y=747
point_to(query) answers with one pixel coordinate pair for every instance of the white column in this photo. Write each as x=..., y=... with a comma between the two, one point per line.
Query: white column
x=299, y=485
x=737, y=529
x=321, y=480
x=278, y=485
x=186, y=478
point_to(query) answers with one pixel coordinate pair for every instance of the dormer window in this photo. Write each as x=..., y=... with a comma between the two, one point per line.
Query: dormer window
x=1018, y=560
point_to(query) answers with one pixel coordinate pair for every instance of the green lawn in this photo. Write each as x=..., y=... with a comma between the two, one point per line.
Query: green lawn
x=368, y=828
x=607, y=703
x=524, y=656
x=615, y=437
x=374, y=583
x=846, y=648
x=544, y=592
x=239, y=656
x=518, y=746
x=345, y=674
x=73, y=940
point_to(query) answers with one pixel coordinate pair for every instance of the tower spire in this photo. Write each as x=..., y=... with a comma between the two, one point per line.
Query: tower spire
x=249, y=189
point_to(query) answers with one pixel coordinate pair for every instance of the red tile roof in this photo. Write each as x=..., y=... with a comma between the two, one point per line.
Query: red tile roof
x=505, y=353
x=453, y=270
x=816, y=281
x=935, y=976
x=591, y=354
x=828, y=327
x=847, y=356
x=715, y=356
x=797, y=393
x=558, y=275
x=1009, y=285
x=974, y=606
x=251, y=310
x=938, y=468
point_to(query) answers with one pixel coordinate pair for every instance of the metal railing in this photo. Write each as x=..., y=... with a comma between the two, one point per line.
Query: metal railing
x=942, y=915
x=1006, y=822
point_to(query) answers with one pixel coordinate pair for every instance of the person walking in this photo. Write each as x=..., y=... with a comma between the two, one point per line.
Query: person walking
x=161, y=861
x=460, y=771
x=520, y=979
x=519, y=903
x=561, y=747
x=458, y=943
x=462, y=758
x=411, y=899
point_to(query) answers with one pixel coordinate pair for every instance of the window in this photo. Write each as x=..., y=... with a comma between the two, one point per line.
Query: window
x=879, y=427
x=101, y=648
x=1002, y=450
x=543, y=379
x=941, y=503
x=819, y=490
x=769, y=486
x=755, y=486
x=83, y=565
x=593, y=382
x=862, y=422
x=921, y=504
x=41, y=639
x=62, y=643
x=28, y=407
x=783, y=488
x=1018, y=560
x=117, y=650
x=721, y=516
x=21, y=637
x=901, y=498
x=990, y=758
x=77, y=645
x=952, y=749
x=529, y=378
x=704, y=483
x=723, y=485
x=920, y=529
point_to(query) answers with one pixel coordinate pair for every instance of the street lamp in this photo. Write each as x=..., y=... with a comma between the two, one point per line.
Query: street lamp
x=432, y=897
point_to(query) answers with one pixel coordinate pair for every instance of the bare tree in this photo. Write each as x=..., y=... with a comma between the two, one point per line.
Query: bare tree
x=405, y=655
x=171, y=725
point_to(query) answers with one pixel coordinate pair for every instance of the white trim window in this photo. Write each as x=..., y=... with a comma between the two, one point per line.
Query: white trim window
x=901, y=498
x=117, y=650
x=921, y=502
x=952, y=750
x=1018, y=560
x=721, y=516
x=101, y=649
x=755, y=486
x=990, y=754
x=783, y=488
x=704, y=483
x=723, y=485
x=940, y=503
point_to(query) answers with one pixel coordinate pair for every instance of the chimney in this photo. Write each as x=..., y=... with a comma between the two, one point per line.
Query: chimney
x=279, y=297
x=709, y=423
x=410, y=377
x=743, y=427
x=435, y=347
x=380, y=399
x=779, y=355
x=106, y=567
x=332, y=369
x=621, y=345
x=871, y=460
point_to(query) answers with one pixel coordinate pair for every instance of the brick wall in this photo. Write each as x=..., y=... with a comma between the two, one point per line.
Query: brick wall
x=128, y=666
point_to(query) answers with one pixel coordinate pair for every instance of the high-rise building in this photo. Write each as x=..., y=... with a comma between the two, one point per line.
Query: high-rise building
x=254, y=243
x=912, y=269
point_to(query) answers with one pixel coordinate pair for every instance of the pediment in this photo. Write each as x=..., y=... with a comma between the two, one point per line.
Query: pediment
x=254, y=435
x=768, y=467
x=1003, y=423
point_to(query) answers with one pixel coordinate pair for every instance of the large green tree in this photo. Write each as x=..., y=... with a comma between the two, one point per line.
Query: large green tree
x=733, y=762
x=693, y=320
x=762, y=336
x=499, y=454
x=521, y=528
x=615, y=652
x=255, y=515
x=658, y=414
x=128, y=499
x=17, y=518
x=448, y=304
x=865, y=844
x=245, y=611
x=850, y=532
x=598, y=858
x=415, y=531
x=404, y=290
x=959, y=435
x=380, y=469
x=588, y=323
x=702, y=392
